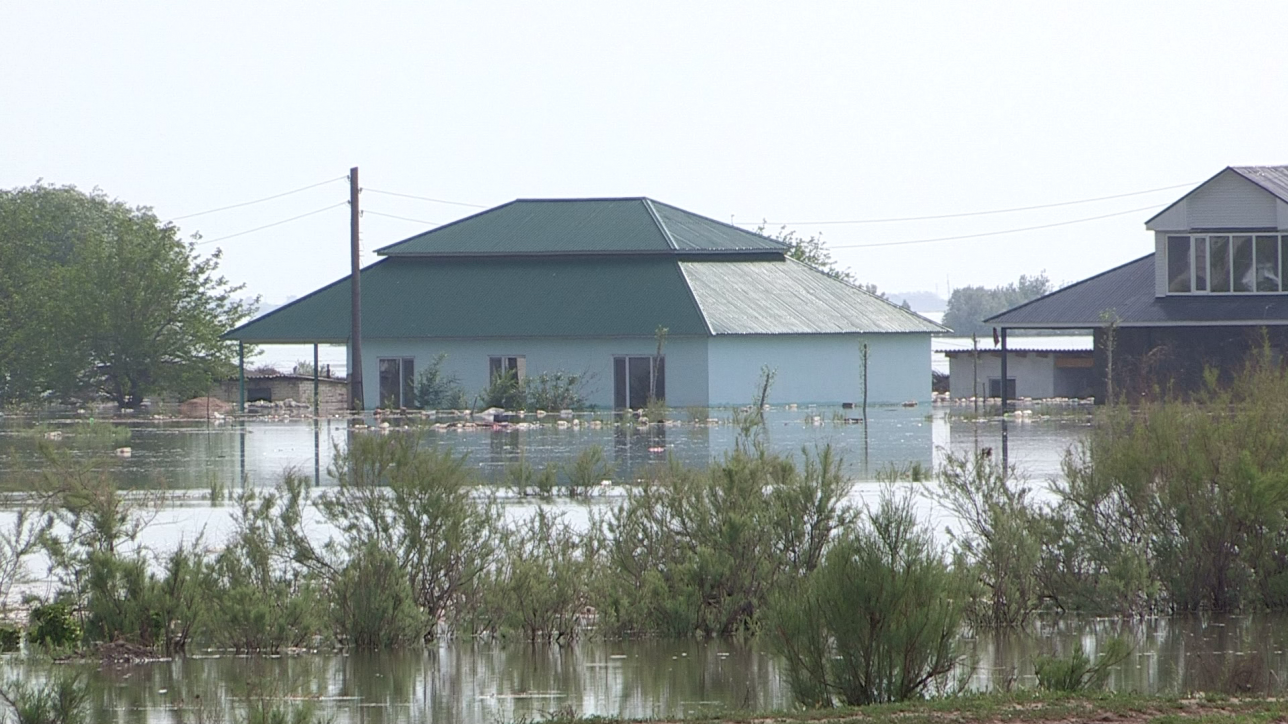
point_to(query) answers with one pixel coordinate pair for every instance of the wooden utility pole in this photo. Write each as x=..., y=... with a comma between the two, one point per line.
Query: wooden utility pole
x=356, y=399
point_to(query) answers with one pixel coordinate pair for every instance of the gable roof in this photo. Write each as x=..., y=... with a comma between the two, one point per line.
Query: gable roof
x=788, y=297
x=542, y=227
x=1273, y=179
x=1127, y=293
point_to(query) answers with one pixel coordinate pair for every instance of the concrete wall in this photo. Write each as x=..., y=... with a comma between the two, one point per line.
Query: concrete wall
x=1035, y=374
x=820, y=368
x=686, y=362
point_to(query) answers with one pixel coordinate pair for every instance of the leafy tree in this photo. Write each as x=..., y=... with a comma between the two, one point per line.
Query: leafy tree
x=969, y=306
x=100, y=298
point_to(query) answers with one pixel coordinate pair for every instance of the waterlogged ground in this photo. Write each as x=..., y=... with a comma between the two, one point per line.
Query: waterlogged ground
x=185, y=463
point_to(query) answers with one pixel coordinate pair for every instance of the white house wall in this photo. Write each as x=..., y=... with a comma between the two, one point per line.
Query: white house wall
x=1229, y=201
x=819, y=368
x=686, y=362
x=1034, y=374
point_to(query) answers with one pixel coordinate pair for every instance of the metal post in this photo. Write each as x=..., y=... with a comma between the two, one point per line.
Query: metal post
x=1005, y=401
x=1006, y=456
x=356, y=398
x=241, y=378
x=315, y=379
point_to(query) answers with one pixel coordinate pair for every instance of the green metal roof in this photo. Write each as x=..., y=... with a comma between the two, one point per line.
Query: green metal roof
x=583, y=226
x=496, y=297
x=788, y=297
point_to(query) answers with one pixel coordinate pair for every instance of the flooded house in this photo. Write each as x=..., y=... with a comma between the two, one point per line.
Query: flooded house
x=1212, y=291
x=587, y=286
x=1040, y=367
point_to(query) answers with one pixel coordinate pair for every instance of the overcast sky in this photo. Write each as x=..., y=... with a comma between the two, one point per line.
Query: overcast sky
x=789, y=112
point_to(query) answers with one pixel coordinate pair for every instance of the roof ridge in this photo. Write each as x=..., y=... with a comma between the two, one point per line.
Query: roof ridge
x=735, y=227
x=1247, y=173
x=666, y=233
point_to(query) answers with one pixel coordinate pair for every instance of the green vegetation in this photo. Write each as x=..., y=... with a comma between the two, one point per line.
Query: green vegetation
x=546, y=391
x=877, y=621
x=438, y=390
x=100, y=299
x=969, y=306
x=1076, y=672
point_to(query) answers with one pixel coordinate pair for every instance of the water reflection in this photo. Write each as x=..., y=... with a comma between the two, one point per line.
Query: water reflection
x=196, y=455
x=481, y=683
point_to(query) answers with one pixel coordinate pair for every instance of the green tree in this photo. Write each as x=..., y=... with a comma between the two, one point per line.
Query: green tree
x=101, y=298
x=969, y=306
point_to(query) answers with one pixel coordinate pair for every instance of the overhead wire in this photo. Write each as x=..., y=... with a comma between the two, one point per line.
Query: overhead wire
x=992, y=233
x=258, y=201
x=269, y=226
x=424, y=198
x=966, y=213
x=402, y=218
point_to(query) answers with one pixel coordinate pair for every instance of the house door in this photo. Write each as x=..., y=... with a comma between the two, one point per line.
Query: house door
x=636, y=380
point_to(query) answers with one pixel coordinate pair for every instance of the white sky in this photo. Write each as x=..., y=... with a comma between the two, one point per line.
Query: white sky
x=787, y=112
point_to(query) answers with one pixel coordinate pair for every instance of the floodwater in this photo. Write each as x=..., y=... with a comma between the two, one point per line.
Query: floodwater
x=485, y=682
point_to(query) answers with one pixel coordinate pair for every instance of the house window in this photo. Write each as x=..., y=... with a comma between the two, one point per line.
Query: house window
x=501, y=365
x=636, y=380
x=1227, y=264
x=995, y=387
x=397, y=382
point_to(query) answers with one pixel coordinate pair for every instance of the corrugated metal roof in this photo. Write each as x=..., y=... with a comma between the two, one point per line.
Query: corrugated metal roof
x=582, y=226
x=1052, y=343
x=1271, y=178
x=787, y=297
x=409, y=298
x=1127, y=293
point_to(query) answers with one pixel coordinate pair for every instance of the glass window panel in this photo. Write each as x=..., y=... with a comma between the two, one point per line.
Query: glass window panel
x=639, y=374
x=408, y=382
x=1283, y=257
x=1178, y=264
x=1219, y=264
x=1267, y=263
x=619, y=382
x=1241, y=263
x=389, y=383
x=1200, y=264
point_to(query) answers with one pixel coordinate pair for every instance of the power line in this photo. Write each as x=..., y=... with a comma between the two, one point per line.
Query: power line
x=402, y=218
x=256, y=201
x=991, y=233
x=425, y=198
x=275, y=223
x=968, y=213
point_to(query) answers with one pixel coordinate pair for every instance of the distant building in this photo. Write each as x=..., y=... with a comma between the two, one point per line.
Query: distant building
x=333, y=393
x=582, y=286
x=1038, y=367
x=1213, y=289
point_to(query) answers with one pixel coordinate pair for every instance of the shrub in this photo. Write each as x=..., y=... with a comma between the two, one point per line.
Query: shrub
x=1076, y=672
x=505, y=391
x=53, y=625
x=556, y=391
x=438, y=390
x=700, y=550
x=1178, y=505
x=543, y=578
x=876, y=622
x=10, y=638
x=998, y=542
x=416, y=503
x=61, y=701
x=259, y=600
x=373, y=606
